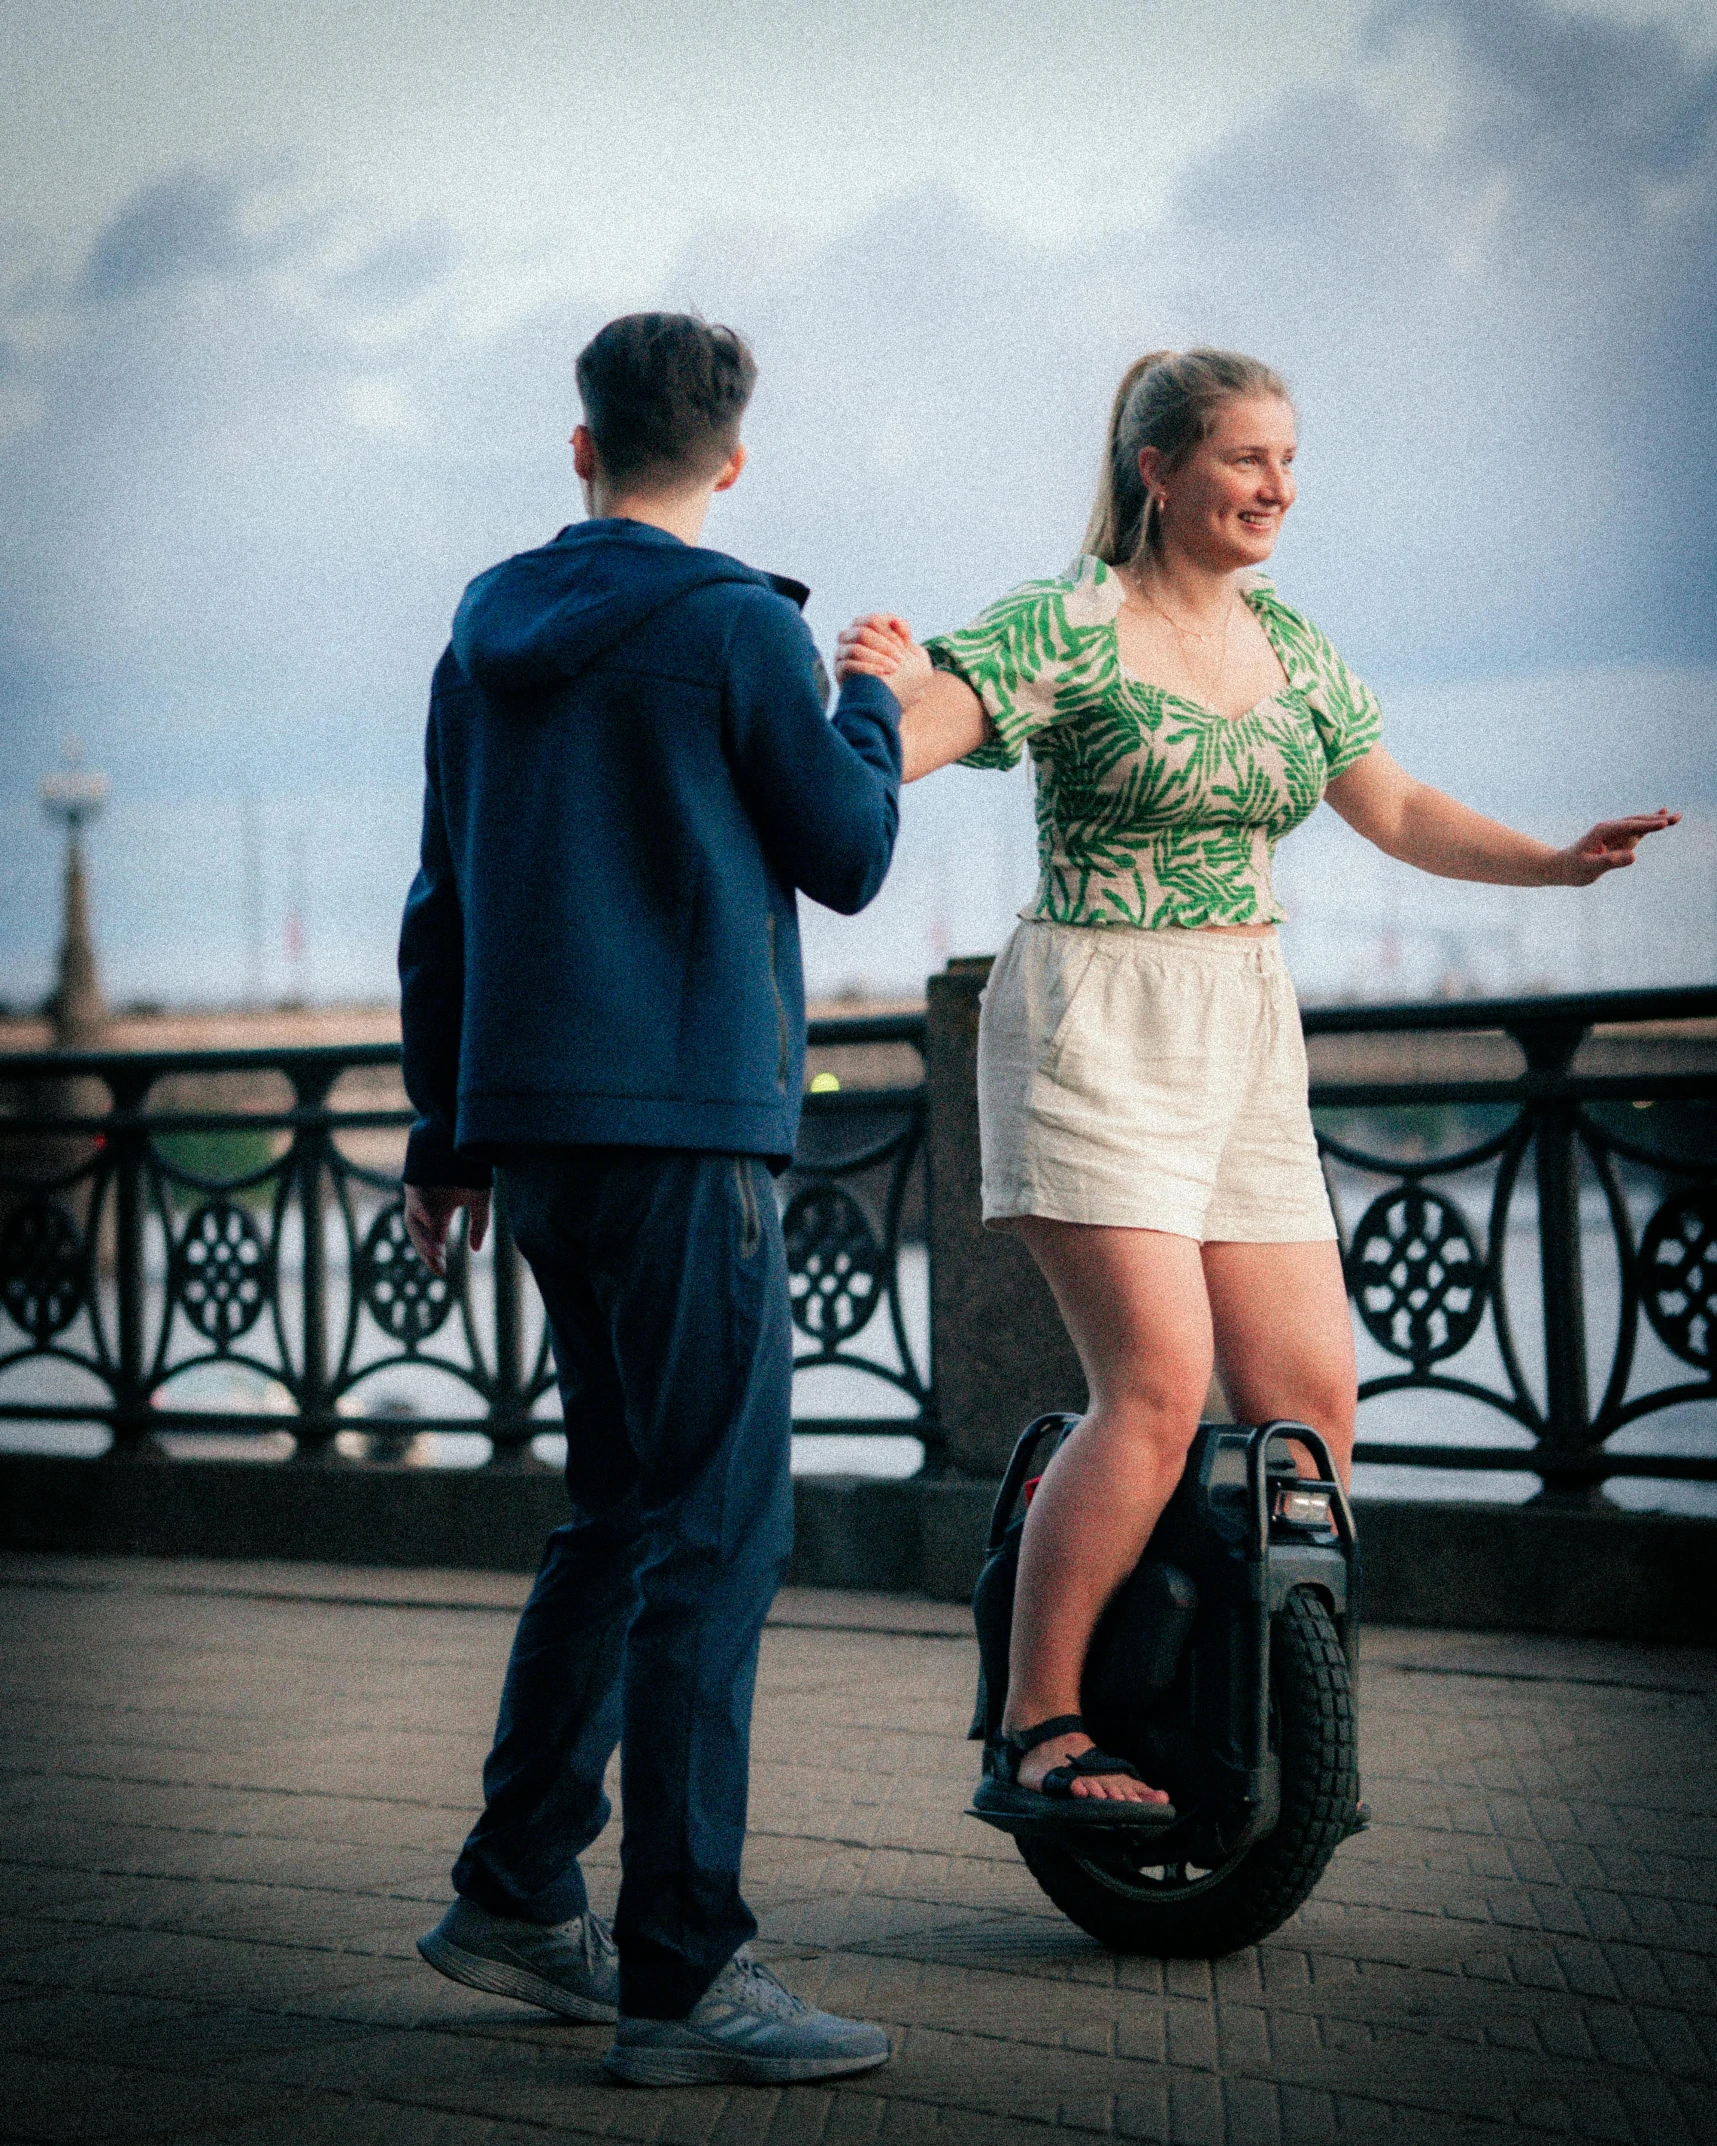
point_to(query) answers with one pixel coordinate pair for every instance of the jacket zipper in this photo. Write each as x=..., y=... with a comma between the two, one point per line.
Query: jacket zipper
x=780, y=1010
x=750, y=1222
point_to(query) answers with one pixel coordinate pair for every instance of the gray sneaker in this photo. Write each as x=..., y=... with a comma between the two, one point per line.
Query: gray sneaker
x=746, y=2027
x=571, y=1967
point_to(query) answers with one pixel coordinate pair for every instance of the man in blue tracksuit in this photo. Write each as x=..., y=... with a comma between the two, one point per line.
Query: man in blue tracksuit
x=630, y=779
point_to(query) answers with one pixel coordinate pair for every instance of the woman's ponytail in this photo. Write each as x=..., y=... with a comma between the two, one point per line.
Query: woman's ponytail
x=1115, y=532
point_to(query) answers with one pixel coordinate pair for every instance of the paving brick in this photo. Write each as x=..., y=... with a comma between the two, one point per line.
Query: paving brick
x=311, y=2119
x=54, y=2098
x=1586, y=1968
x=1675, y=2048
x=1252, y=2114
x=1242, y=2038
x=227, y=1819
x=1658, y=2113
x=1567, y=2034
x=1196, y=2113
x=1191, y=2035
x=1142, y=2110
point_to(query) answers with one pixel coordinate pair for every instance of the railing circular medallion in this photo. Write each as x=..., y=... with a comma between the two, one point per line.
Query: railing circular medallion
x=42, y=1269
x=403, y=1297
x=221, y=1272
x=1678, y=1276
x=1417, y=1280
x=834, y=1263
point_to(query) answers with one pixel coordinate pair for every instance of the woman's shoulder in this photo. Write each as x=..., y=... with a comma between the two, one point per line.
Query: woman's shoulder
x=1297, y=638
x=1278, y=616
x=1054, y=607
x=1341, y=703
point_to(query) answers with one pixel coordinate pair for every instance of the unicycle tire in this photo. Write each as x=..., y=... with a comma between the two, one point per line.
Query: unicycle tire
x=1180, y=1912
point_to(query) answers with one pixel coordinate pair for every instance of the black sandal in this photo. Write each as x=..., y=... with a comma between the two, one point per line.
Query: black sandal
x=1001, y=1800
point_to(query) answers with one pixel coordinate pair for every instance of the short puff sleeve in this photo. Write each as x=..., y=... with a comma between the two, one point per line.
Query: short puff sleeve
x=1012, y=656
x=1353, y=721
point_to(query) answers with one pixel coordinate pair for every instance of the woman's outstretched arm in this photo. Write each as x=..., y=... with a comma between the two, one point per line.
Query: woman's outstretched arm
x=941, y=718
x=1408, y=819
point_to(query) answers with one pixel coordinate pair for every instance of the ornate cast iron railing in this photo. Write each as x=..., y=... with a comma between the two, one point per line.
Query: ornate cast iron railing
x=1427, y=1280
x=130, y=1261
x=855, y=1210
x=132, y=1258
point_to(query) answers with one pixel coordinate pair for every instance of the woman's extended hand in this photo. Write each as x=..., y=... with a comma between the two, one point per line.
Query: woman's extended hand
x=1610, y=845
x=880, y=645
x=1408, y=819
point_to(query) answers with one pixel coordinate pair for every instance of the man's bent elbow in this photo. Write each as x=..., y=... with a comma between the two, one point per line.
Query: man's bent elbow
x=850, y=892
x=849, y=882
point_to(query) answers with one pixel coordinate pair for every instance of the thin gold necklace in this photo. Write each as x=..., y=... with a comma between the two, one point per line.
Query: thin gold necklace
x=1213, y=692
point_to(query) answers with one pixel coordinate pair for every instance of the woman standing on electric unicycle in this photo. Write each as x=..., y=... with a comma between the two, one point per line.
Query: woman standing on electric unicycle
x=1142, y=1079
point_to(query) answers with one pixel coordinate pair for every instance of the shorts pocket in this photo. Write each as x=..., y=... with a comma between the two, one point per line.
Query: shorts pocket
x=1055, y=990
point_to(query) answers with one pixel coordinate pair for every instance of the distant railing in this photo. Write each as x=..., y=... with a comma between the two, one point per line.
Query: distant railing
x=145, y=1242
x=1427, y=1279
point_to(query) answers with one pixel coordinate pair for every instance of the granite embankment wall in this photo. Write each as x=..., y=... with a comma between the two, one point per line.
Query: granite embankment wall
x=1472, y=1567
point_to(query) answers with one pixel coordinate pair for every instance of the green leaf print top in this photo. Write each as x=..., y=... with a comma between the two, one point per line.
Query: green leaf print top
x=1152, y=809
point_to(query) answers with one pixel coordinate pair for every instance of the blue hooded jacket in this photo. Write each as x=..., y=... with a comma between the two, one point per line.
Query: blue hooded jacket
x=629, y=777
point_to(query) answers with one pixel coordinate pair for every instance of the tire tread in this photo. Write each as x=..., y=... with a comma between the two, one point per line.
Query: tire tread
x=1320, y=1773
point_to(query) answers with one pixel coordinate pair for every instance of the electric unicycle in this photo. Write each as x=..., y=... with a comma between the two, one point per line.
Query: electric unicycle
x=1224, y=1670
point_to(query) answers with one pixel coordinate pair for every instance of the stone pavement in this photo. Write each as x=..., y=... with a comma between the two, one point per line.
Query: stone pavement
x=232, y=1793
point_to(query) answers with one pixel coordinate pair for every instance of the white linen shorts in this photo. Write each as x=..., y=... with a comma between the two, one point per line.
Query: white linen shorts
x=1148, y=1080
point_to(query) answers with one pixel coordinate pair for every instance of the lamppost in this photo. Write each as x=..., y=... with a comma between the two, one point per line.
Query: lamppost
x=74, y=794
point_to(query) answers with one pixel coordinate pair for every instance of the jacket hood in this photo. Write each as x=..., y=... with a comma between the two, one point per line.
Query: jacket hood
x=538, y=620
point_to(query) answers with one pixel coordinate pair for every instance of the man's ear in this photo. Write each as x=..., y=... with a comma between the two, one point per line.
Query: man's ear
x=583, y=454
x=730, y=470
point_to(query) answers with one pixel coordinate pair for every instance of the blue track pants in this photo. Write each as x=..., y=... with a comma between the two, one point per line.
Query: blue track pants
x=665, y=1281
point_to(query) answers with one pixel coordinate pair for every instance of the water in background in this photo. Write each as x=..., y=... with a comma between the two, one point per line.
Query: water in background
x=202, y=902
x=210, y=899
x=383, y=1406
x=214, y=900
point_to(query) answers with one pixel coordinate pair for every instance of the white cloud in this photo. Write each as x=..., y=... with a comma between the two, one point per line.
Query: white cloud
x=606, y=135
x=255, y=439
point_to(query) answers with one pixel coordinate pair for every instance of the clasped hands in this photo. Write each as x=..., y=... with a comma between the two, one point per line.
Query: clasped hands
x=879, y=645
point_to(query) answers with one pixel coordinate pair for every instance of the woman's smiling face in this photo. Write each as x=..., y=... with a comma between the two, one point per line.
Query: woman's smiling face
x=1223, y=503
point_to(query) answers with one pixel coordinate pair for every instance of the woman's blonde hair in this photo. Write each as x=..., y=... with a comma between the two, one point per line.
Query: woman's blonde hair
x=1167, y=399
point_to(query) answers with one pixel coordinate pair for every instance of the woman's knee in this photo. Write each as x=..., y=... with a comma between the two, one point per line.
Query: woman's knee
x=1319, y=1390
x=1157, y=1385
x=1158, y=1418
x=1325, y=1399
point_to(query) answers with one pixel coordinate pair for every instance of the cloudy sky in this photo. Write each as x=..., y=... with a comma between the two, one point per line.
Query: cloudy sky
x=289, y=302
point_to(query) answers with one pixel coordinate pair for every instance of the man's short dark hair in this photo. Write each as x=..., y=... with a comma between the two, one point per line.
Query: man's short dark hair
x=663, y=395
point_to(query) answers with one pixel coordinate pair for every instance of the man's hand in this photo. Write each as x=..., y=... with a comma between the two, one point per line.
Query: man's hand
x=1610, y=845
x=881, y=646
x=429, y=1212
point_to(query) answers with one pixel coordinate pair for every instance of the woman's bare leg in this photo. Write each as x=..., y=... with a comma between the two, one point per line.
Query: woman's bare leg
x=1135, y=1304
x=1146, y=1311
x=1284, y=1337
